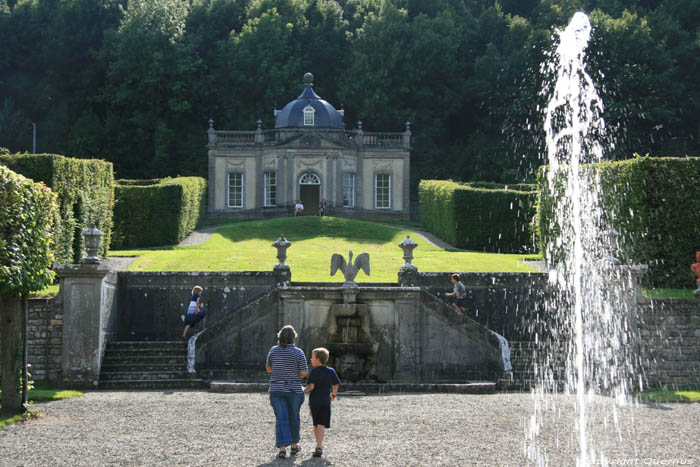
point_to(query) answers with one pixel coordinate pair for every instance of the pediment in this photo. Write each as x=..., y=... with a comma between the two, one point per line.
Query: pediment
x=314, y=140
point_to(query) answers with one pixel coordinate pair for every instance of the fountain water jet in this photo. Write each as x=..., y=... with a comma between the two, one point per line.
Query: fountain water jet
x=593, y=305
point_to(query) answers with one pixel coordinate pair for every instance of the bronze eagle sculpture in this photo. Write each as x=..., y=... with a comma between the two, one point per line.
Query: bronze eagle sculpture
x=350, y=269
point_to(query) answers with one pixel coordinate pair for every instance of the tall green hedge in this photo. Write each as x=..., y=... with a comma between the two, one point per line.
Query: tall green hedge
x=27, y=218
x=157, y=214
x=653, y=203
x=493, y=219
x=85, y=189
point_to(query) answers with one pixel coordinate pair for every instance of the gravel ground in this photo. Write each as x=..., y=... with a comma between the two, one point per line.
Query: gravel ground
x=202, y=428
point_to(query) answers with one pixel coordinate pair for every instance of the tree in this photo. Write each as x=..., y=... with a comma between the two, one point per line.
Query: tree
x=27, y=211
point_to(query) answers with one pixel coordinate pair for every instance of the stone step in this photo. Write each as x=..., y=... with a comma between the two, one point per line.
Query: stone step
x=120, y=366
x=145, y=359
x=151, y=352
x=153, y=384
x=147, y=344
x=142, y=375
x=477, y=387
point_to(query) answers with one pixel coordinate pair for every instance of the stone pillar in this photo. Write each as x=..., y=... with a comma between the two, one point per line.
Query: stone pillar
x=406, y=185
x=290, y=179
x=292, y=312
x=360, y=182
x=259, y=180
x=88, y=293
x=407, y=349
x=211, y=172
x=338, y=194
x=329, y=179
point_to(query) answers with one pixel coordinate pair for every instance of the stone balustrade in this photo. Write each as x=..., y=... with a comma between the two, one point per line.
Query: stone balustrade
x=272, y=137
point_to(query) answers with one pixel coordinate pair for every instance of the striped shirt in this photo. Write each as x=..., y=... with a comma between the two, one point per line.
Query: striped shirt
x=286, y=363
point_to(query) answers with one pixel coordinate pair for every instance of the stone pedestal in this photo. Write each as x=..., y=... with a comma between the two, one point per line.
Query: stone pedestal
x=88, y=295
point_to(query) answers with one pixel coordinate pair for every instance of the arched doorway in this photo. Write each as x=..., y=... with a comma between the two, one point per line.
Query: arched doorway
x=310, y=192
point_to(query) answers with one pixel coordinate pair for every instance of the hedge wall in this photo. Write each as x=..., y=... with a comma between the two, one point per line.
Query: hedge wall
x=494, y=219
x=652, y=202
x=27, y=218
x=157, y=214
x=85, y=190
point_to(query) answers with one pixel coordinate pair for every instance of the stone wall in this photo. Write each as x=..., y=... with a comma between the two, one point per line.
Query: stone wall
x=415, y=336
x=151, y=303
x=44, y=338
x=670, y=333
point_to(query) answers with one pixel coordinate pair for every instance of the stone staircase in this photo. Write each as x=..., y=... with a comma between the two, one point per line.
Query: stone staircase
x=146, y=365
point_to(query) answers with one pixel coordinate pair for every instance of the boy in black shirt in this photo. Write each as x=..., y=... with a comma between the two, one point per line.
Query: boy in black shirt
x=323, y=385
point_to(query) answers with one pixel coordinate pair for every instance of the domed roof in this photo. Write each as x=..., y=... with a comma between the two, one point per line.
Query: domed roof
x=320, y=114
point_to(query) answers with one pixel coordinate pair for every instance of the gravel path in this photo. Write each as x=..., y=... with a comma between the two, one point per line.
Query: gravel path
x=202, y=428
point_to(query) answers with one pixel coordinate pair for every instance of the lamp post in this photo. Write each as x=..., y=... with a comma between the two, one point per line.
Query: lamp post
x=33, y=138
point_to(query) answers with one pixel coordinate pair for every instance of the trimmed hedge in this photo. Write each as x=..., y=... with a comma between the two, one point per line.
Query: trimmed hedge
x=494, y=219
x=652, y=202
x=157, y=214
x=85, y=190
x=28, y=213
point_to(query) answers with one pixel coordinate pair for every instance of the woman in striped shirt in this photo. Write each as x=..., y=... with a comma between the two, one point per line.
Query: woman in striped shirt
x=286, y=364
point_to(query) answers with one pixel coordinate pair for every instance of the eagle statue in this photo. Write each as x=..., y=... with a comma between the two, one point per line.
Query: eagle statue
x=350, y=269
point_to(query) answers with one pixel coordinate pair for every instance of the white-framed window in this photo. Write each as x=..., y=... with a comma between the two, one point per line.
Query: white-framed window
x=348, y=189
x=236, y=181
x=309, y=178
x=382, y=191
x=270, y=181
x=309, y=116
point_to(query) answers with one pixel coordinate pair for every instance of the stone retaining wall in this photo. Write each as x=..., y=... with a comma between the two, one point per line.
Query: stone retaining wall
x=44, y=339
x=670, y=332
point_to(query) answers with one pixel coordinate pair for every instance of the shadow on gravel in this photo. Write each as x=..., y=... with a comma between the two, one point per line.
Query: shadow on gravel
x=290, y=461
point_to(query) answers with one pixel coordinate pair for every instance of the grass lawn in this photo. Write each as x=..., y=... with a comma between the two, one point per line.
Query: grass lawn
x=681, y=294
x=682, y=394
x=246, y=246
x=42, y=392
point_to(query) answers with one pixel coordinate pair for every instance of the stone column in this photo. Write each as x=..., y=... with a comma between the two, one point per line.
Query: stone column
x=211, y=181
x=281, y=180
x=407, y=347
x=88, y=294
x=360, y=182
x=329, y=179
x=290, y=179
x=259, y=180
x=338, y=195
x=406, y=185
x=292, y=312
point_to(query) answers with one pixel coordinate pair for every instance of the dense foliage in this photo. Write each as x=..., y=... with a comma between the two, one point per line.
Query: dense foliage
x=27, y=216
x=489, y=218
x=85, y=189
x=157, y=214
x=651, y=202
x=135, y=81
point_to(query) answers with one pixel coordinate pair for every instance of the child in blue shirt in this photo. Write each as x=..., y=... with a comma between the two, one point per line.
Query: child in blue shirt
x=195, y=313
x=323, y=386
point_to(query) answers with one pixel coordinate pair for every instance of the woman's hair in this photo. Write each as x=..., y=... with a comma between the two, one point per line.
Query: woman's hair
x=286, y=336
x=197, y=289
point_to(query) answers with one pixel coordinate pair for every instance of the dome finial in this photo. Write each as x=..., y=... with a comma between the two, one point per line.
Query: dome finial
x=308, y=80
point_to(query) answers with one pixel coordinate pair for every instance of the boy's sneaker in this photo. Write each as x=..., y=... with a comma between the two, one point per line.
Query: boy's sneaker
x=182, y=317
x=318, y=452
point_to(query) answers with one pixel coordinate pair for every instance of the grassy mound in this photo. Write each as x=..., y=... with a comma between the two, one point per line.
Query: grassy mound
x=246, y=246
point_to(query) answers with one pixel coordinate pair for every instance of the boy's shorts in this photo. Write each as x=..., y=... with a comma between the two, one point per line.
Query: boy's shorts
x=461, y=302
x=192, y=319
x=321, y=415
